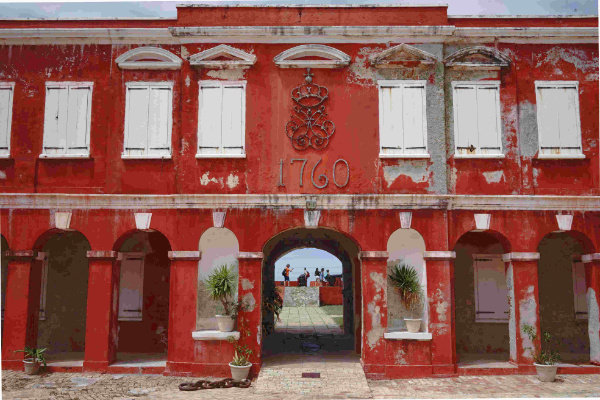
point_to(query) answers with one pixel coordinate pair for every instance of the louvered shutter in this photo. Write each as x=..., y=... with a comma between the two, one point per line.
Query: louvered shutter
x=232, y=122
x=78, y=108
x=210, y=119
x=55, y=120
x=131, y=291
x=413, y=116
x=465, y=120
x=491, y=303
x=6, y=100
x=159, y=121
x=488, y=120
x=136, y=136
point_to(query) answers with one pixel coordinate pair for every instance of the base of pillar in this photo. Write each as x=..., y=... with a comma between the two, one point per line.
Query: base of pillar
x=95, y=366
x=13, y=365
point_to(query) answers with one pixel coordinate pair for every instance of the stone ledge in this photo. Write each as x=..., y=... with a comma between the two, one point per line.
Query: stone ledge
x=407, y=335
x=215, y=335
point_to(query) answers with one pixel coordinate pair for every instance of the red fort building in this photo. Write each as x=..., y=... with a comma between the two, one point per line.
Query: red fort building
x=138, y=155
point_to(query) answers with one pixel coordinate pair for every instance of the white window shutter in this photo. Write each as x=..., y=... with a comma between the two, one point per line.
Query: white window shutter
x=232, y=124
x=488, y=120
x=55, y=120
x=579, y=291
x=465, y=109
x=490, y=290
x=131, y=293
x=548, y=118
x=78, y=104
x=414, y=118
x=159, y=121
x=210, y=119
x=568, y=120
x=6, y=100
x=390, y=105
x=136, y=137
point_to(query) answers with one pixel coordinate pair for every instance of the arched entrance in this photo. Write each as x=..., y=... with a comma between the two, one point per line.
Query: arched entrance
x=335, y=243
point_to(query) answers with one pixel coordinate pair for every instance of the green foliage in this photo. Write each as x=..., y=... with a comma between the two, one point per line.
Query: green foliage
x=242, y=352
x=272, y=303
x=406, y=279
x=221, y=286
x=544, y=357
x=34, y=353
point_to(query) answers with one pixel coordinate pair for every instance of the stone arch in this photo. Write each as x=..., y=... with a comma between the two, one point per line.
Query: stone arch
x=143, y=291
x=337, y=243
x=406, y=246
x=324, y=57
x=566, y=308
x=482, y=288
x=218, y=246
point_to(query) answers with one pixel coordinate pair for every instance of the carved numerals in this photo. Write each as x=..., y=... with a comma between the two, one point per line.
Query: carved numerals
x=320, y=181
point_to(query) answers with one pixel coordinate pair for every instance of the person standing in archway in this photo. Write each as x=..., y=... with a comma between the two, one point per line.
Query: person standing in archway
x=286, y=275
x=318, y=276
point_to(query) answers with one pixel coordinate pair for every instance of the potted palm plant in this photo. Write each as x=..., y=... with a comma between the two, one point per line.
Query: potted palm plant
x=221, y=287
x=406, y=280
x=32, y=360
x=544, y=360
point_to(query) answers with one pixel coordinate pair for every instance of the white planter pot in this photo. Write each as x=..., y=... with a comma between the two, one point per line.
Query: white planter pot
x=31, y=367
x=239, y=373
x=225, y=323
x=412, y=325
x=546, y=373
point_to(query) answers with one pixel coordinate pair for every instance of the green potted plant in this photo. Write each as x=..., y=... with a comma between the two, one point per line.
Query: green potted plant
x=544, y=360
x=221, y=286
x=240, y=365
x=32, y=360
x=406, y=279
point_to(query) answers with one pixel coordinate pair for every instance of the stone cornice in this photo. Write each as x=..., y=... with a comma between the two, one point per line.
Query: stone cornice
x=374, y=254
x=294, y=34
x=296, y=201
x=185, y=255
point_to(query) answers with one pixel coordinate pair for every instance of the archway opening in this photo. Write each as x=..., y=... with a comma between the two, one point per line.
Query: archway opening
x=63, y=296
x=324, y=315
x=562, y=294
x=481, y=302
x=143, y=310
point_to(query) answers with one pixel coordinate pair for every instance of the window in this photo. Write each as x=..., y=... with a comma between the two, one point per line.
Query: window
x=477, y=131
x=131, y=292
x=558, y=119
x=579, y=290
x=148, y=120
x=6, y=101
x=67, y=119
x=491, y=302
x=221, y=119
x=402, y=119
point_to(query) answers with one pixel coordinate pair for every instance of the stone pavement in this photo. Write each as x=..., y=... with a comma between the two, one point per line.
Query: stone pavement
x=95, y=386
x=306, y=319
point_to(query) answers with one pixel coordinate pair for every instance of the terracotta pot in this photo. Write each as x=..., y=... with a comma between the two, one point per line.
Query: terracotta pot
x=31, y=366
x=412, y=325
x=239, y=373
x=225, y=322
x=546, y=373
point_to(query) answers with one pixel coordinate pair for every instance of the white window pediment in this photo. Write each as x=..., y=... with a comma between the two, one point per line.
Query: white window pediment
x=402, y=55
x=477, y=58
x=324, y=57
x=213, y=58
x=148, y=57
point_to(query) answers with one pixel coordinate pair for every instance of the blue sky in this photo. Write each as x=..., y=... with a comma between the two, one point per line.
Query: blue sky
x=310, y=259
x=166, y=9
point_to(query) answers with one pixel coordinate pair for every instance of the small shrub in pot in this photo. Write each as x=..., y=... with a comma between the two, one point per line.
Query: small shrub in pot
x=544, y=360
x=221, y=286
x=406, y=280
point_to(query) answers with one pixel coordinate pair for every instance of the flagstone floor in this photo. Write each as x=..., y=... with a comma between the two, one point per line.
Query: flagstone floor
x=307, y=320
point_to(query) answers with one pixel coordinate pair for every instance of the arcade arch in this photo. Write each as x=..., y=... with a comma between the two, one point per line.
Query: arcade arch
x=337, y=244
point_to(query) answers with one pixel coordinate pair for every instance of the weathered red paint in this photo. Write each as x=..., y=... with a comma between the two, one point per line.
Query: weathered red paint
x=330, y=295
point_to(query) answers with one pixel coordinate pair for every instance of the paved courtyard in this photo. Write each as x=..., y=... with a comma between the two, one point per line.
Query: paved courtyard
x=308, y=319
x=281, y=378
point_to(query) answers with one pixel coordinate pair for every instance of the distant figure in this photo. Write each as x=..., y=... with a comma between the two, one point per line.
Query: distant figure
x=327, y=278
x=286, y=275
x=322, y=274
x=318, y=274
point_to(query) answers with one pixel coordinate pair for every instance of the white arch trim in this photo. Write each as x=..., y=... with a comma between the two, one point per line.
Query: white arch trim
x=496, y=59
x=402, y=53
x=330, y=57
x=237, y=58
x=161, y=59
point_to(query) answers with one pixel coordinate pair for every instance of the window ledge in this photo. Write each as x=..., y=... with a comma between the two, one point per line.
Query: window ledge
x=492, y=156
x=220, y=155
x=561, y=156
x=491, y=321
x=58, y=156
x=144, y=157
x=404, y=155
x=404, y=335
x=5, y=156
x=214, y=335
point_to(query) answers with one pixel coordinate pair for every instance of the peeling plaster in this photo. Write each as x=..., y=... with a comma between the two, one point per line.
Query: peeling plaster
x=184, y=53
x=578, y=58
x=399, y=357
x=415, y=170
x=377, y=331
x=493, y=176
x=528, y=137
x=249, y=301
x=593, y=325
x=378, y=280
x=233, y=181
x=527, y=316
x=205, y=180
x=441, y=307
x=512, y=322
x=187, y=81
x=247, y=285
x=2, y=175
x=228, y=74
